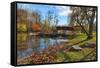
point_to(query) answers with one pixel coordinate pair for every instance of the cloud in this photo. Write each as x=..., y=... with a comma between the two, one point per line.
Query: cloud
x=63, y=10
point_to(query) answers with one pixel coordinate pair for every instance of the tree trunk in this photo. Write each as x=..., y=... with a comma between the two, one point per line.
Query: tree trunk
x=82, y=27
x=91, y=25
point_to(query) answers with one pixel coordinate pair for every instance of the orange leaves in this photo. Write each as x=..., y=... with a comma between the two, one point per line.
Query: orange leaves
x=36, y=27
x=41, y=58
x=47, y=55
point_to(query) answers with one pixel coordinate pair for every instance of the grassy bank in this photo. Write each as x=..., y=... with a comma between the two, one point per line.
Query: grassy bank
x=79, y=40
x=62, y=53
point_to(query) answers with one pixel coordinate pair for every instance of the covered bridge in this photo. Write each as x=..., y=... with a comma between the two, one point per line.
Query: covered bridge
x=66, y=30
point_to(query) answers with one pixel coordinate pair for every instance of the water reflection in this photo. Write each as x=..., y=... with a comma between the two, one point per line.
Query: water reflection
x=27, y=44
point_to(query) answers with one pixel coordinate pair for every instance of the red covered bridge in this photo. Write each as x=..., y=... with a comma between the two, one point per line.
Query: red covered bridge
x=69, y=30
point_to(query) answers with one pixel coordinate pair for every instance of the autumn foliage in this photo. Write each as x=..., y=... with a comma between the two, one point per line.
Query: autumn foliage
x=36, y=27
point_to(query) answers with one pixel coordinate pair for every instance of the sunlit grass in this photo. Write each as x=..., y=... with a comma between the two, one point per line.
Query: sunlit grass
x=76, y=55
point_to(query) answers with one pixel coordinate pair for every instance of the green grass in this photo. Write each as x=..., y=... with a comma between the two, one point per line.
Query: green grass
x=76, y=55
x=82, y=39
x=62, y=57
x=59, y=57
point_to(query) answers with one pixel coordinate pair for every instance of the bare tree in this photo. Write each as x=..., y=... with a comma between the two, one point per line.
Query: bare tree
x=37, y=16
x=83, y=15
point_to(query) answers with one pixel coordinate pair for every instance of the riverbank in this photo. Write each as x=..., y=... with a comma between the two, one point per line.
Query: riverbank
x=45, y=56
x=61, y=52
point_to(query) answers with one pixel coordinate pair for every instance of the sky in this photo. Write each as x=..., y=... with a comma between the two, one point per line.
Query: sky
x=62, y=11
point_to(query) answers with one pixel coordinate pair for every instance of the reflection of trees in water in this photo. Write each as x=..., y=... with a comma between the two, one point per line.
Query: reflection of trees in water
x=46, y=42
x=21, y=47
x=34, y=43
x=24, y=42
x=38, y=43
x=22, y=39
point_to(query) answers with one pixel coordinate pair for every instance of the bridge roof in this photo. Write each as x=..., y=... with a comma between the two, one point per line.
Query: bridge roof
x=65, y=28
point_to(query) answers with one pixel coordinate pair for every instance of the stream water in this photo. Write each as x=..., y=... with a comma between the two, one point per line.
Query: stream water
x=28, y=44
